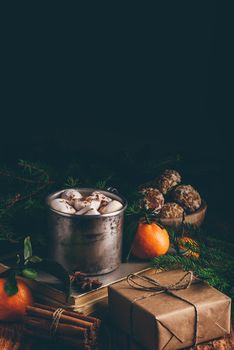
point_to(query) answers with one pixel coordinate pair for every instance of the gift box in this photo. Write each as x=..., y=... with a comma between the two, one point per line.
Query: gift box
x=169, y=310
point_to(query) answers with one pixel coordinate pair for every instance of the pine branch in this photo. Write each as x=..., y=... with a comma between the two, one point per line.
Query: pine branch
x=72, y=182
x=102, y=184
x=18, y=178
x=21, y=198
x=214, y=265
x=30, y=189
x=34, y=169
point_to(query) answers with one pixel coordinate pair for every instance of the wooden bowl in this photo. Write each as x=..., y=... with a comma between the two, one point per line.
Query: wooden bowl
x=194, y=219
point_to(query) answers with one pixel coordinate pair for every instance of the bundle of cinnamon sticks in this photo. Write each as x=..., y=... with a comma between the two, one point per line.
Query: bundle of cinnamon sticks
x=65, y=326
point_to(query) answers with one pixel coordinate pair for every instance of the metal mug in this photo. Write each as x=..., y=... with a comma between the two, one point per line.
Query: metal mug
x=92, y=243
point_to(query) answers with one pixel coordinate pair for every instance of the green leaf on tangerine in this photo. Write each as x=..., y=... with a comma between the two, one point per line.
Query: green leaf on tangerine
x=35, y=259
x=27, y=248
x=29, y=273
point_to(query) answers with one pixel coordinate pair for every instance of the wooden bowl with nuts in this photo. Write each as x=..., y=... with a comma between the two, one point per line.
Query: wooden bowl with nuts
x=173, y=202
x=194, y=219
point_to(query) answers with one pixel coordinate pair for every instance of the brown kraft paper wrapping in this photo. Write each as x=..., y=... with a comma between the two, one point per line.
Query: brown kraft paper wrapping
x=171, y=320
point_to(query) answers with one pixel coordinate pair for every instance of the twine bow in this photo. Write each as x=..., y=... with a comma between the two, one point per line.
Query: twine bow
x=184, y=283
x=55, y=322
x=156, y=288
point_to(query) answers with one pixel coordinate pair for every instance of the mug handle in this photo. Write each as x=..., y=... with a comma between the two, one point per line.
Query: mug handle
x=112, y=190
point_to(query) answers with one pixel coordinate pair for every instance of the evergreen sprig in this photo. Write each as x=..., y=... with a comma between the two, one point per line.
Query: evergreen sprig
x=21, y=190
x=72, y=182
x=215, y=264
x=102, y=184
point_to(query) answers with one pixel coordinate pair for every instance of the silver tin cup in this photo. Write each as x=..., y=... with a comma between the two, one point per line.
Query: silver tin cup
x=92, y=243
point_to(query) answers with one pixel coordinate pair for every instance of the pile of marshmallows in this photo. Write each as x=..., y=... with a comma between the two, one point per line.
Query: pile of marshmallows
x=72, y=202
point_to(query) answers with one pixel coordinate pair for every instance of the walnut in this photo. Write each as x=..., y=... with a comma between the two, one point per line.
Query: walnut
x=171, y=210
x=153, y=199
x=168, y=180
x=187, y=197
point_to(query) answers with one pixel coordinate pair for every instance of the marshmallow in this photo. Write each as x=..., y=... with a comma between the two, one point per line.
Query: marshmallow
x=111, y=207
x=92, y=212
x=62, y=205
x=83, y=210
x=100, y=197
x=71, y=195
x=87, y=202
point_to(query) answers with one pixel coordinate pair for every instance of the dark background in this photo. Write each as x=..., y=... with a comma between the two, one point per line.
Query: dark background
x=109, y=81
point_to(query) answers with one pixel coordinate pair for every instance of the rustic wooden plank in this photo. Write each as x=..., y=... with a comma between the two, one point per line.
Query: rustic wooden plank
x=112, y=339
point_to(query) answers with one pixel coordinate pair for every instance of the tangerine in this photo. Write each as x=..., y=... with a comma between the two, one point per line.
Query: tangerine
x=13, y=307
x=151, y=240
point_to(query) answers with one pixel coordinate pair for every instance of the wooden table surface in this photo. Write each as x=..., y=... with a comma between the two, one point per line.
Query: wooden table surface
x=11, y=339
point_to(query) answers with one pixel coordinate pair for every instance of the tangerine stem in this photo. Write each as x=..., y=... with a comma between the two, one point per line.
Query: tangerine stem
x=147, y=219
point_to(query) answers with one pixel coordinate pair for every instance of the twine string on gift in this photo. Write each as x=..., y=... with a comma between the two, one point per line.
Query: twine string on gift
x=184, y=283
x=156, y=288
x=55, y=321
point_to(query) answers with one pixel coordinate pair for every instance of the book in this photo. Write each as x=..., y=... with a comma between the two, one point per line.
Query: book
x=46, y=289
x=95, y=300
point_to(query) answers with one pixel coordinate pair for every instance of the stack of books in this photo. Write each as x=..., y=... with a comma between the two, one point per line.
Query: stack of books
x=46, y=289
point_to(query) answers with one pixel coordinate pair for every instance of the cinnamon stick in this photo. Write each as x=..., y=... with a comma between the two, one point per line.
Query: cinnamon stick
x=71, y=313
x=73, y=328
x=45, y=313
x=62, y=329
